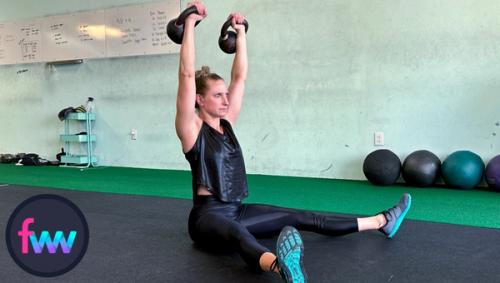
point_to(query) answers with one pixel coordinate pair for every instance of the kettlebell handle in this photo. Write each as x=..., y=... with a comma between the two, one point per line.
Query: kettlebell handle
x=175, y=28
x=227, y=24
x=183, y=16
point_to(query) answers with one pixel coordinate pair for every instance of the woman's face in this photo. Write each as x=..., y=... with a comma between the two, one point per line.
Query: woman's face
x=215, y=100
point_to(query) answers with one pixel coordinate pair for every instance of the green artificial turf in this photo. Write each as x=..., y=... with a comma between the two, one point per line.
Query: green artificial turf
x=474, y=207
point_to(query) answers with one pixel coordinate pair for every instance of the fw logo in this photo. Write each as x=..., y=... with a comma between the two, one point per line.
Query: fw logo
x=44, y=240
x=47, y=235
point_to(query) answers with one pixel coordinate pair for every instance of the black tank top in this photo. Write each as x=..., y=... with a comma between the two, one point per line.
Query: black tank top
x=217, y=163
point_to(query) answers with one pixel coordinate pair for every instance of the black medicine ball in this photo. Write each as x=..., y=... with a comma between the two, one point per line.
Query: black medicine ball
x=382, y=167
x=421, y=168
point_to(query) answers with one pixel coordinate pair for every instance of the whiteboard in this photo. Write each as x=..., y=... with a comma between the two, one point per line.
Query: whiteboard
x=122, y=31
x=140, y=30
x=74, y=36
x=8, y=44
x=29, y=39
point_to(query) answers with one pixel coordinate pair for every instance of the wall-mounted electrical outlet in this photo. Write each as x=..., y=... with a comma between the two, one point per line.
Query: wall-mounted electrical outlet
x=378, y=138
x=133, y=134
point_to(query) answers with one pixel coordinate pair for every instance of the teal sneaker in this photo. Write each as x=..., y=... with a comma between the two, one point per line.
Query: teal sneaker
x=289, y=253
x=395, y=216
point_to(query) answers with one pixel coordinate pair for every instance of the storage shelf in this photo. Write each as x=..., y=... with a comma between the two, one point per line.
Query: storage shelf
x=77, y=159
x=80, y=116
x=78, y=138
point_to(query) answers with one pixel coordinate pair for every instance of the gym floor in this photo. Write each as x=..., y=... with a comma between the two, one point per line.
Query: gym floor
x=138, y=228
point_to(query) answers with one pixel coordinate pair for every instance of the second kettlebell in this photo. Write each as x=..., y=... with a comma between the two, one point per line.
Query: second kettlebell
x=227, y=39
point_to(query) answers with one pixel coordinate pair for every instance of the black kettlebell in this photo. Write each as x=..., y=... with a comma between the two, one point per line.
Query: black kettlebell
x=227, y=39
x=175, y=28
x=58, y=156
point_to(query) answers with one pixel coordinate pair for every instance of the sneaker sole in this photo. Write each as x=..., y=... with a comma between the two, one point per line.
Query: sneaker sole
x=290, y=248
x=400, y=219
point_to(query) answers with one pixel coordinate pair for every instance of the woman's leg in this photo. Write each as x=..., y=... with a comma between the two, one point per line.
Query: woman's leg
x=266, y=220
x=267, y=262
x=216, y=231
x=371, y=223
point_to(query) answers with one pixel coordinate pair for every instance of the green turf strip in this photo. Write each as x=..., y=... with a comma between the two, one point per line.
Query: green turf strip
x=476, y=207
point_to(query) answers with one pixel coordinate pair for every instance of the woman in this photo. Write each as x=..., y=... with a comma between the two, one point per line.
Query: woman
x=218, y=217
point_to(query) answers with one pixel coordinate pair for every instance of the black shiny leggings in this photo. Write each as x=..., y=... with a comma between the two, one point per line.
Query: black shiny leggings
x=217, y=225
